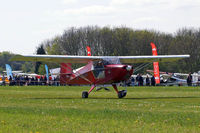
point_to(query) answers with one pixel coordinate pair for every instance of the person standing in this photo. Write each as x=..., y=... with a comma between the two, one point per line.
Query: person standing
x=153, y=83
x=132, y=81
x=140, y=80
x=147, y=81
x=10, y=81
x=3, y=80
x=189, y=79
x=137, y=80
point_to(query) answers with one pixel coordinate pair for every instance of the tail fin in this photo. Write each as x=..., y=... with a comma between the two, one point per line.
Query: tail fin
x=9, y=71
x=88, y=51
x=65, y=70
x=155, y=64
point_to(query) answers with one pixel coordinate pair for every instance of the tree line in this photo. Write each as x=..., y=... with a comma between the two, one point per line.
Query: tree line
x=124, y=41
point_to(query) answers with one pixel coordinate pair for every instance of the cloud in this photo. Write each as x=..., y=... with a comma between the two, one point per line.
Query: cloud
x=146, y=19
x=160, y=4
x=69, y=1
x=136, y=2
x=88, y=11
x=120, y=2
x=157, y=14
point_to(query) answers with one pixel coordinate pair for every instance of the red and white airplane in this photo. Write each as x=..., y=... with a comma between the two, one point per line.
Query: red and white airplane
x=100, y=70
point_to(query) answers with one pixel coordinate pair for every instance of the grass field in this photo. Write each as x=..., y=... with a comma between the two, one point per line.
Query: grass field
x=61, y=109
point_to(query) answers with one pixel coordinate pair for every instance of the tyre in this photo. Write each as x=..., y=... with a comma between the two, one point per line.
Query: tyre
x=121, y=94
x=84, y=94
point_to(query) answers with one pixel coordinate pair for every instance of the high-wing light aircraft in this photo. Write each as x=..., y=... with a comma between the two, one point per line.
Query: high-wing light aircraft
x=99, y=70
x=180, y=79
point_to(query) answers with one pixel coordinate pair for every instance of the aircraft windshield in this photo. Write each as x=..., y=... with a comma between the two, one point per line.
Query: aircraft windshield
x=99, y=71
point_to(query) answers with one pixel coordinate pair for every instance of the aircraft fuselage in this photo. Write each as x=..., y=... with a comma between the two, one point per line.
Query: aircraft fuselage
x=100, y=74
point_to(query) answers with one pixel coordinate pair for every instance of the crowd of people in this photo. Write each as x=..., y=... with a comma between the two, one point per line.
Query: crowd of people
x=27, y=80
x=140, y=81
x=42, y=80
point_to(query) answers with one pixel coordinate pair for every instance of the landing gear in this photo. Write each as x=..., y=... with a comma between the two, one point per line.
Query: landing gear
x=122, y=93
x=84, y=94
x=102, y=88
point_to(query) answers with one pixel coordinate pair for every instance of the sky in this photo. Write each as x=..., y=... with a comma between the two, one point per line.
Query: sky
x=24, y=24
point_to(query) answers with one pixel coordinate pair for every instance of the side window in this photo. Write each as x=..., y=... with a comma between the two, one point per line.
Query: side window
x=99, y=70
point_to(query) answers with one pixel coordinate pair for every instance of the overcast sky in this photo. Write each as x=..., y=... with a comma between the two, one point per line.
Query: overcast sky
x=24, y=24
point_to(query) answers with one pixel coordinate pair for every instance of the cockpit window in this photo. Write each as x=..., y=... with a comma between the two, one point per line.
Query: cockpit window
x=98, y=64
x=99, y=69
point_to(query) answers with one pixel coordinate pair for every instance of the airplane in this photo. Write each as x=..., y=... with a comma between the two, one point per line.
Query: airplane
x=169, y=79
x=180, y=79
x=63, y=70
x=99, y=70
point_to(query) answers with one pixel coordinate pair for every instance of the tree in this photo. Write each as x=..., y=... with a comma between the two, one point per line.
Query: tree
x=40, y=50
x=41, y=69
x=27, y=67
x=127, y=41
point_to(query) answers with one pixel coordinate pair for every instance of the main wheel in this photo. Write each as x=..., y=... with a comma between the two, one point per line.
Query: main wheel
x=84, y=94
x=121, y=94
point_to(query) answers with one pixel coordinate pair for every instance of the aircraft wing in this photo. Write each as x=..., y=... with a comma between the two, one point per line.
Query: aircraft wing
x=86, y=59
x=159, y=58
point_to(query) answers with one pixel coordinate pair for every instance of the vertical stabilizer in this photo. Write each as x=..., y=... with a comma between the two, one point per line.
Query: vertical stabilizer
x=155, y=64
x=65, y=72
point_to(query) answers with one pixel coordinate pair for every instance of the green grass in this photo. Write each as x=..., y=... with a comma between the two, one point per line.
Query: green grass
x=61, y=109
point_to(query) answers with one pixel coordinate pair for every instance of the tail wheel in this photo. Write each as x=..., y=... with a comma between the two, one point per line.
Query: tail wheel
x=122, y=94
x=84, y=94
